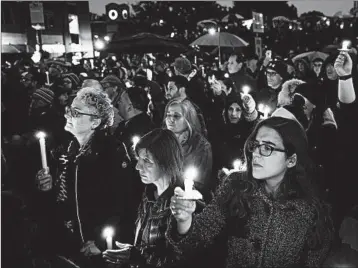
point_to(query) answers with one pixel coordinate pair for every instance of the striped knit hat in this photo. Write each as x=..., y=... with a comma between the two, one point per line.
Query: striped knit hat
x=44, y=94
x=74, y=79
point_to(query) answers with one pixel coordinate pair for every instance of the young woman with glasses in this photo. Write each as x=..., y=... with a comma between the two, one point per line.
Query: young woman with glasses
x=269, y=216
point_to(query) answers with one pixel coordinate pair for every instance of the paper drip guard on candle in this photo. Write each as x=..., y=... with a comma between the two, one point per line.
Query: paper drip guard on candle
x=189, y=175
x=108, y=234
x=41, y=136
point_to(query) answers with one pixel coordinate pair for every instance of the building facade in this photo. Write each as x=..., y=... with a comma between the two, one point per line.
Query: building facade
x=67, y=27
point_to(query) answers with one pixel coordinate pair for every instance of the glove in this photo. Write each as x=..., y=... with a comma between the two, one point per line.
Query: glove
x=249, y=103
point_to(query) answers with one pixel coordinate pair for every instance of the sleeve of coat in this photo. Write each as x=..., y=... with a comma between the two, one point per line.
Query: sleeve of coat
x=206, y=226
x=203, y=161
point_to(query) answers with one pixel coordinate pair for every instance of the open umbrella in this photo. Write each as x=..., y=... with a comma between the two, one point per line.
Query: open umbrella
x=230, y=16
x=281, y=18
x=311, y=55
x=220, y=40
x=144, y=43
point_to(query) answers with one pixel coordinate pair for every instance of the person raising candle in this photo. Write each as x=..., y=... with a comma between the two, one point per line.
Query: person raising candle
x=268, y=216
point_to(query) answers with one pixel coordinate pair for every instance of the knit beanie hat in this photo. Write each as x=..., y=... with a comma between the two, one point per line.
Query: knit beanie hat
x=44, y=94
x=74, y=79
x=311, y=93
x=279, y=67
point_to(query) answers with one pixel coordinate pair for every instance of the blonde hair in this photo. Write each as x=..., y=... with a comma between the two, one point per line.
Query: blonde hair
x=189, y=113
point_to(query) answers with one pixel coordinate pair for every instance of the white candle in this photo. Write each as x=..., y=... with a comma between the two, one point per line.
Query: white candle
x=109, y=241
x=266, y=112
x=195, y=59
x=189, y=175
x=41, y=136
x=47, y=78
x=108, y=233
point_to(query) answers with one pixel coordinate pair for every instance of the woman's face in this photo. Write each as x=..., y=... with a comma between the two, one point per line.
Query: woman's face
x=331, y=72
x=149, y=170
x=271, y=167
x=82, y=124
x=63, y=99
x=301, y=67
x=234, y=113
x=174, y=119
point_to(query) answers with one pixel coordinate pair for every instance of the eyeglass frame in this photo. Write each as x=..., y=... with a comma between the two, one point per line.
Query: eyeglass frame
x=69, y=111
x=271, y=74
x=258, y=145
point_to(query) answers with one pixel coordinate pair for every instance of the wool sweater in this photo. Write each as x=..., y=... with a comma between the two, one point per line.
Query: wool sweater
x=276, y=233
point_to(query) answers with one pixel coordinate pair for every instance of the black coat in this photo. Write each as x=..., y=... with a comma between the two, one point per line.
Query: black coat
x=92, y=189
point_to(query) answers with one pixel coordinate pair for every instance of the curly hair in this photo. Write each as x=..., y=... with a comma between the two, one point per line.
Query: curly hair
x=100, y=103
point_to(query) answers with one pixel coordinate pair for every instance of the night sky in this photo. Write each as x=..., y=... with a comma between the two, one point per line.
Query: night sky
x=329, y=8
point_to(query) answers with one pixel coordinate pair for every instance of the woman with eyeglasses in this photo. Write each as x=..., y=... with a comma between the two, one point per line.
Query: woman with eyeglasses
x=268, y=216
x=87, y=182
x=181, y=118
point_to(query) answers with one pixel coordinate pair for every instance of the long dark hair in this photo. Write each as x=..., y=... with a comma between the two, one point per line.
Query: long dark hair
x=166, y=151
x=298, y=182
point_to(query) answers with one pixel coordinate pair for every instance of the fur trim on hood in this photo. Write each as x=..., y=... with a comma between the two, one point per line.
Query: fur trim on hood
x=288, y=90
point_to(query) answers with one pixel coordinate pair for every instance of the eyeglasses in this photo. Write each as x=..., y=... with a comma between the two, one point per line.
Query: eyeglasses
x=264, y=149
x=271, y=74
x=75, y=114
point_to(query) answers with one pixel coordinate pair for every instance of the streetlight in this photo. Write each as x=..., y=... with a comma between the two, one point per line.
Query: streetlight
x=99, y=44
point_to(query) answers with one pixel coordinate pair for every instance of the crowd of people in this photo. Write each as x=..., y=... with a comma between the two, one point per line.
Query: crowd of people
x=272, y=141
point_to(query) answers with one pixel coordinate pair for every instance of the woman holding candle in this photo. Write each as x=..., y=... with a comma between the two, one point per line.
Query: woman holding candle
x=181, y=118
x=269, y=216
x=239, y=118
x=160, y=165
x=89, y=180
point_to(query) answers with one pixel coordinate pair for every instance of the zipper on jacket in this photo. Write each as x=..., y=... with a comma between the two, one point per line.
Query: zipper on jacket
x=77, y=208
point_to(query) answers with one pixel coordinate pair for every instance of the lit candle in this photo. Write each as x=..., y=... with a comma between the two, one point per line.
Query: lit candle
x=47, y=78
x=345, y=45
x=190, y=174
x=41, y=136
x=195, y=59
x=246, y=89
x=135, y=140
x=266, y=112
x=108, y=233
x=237, y=164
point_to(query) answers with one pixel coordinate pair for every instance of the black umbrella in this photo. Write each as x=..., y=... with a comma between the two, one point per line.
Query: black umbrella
x=144, y=43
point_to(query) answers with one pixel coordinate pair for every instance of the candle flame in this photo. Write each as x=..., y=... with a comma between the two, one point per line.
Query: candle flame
x=40, y=135
x=345, y=44
x=108, y=232
x=135, y=140
x=261, y=107
x=246, y=89
x=191, y=173
x=237, y=164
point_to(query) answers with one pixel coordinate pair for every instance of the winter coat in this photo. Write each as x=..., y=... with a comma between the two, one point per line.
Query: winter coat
x=197, y=152
x=151, y=248
x=92, y=188
x=275, y=233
